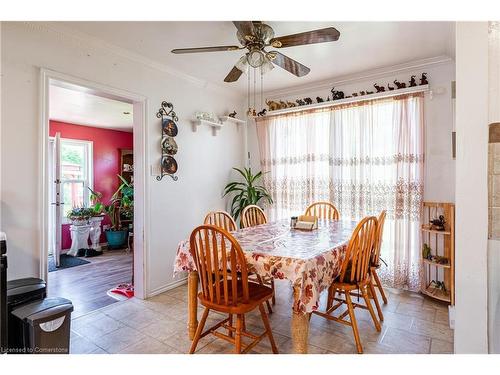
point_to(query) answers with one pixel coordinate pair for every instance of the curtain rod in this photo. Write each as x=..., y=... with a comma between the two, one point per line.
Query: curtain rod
x=377, y=95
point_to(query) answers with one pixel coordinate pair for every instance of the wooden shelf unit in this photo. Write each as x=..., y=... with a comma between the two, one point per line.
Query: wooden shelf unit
x=442, y=243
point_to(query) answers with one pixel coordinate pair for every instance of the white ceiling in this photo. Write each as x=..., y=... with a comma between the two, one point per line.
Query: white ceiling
x=362, y=46
x=78, y=105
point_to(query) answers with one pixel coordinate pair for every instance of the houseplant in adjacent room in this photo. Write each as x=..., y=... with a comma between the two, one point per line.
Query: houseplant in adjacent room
x=246, y=192
x=120, y=205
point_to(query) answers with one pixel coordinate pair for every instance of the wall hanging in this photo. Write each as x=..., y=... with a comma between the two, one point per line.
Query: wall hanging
x=169, y=129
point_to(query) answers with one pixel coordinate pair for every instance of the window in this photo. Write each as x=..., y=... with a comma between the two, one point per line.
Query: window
x=76, y=174
x=363, y=157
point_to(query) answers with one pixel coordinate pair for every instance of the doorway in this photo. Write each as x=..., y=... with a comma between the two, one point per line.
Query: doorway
x=93, y=192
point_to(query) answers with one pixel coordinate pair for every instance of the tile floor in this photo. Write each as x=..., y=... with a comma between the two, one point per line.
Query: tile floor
x=413, y=324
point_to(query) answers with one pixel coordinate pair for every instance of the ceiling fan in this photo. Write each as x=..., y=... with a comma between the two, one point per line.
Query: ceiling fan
x=255, y=36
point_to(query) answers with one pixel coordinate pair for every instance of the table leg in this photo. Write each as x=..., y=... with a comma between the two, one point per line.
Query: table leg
x=192, y=303
x=300, y=327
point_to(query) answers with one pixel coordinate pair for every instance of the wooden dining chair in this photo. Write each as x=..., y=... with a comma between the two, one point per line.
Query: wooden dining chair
x=375, y=263
x=252, y=215
x=355, y=274
x=221, y=219
x=323, y=210
x=222, y=271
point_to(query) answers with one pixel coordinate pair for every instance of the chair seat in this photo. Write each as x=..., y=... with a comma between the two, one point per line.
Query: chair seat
x=257, y=294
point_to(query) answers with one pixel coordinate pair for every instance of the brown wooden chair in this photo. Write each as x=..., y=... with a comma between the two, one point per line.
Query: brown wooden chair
x=252, y=215
x=220, y=219
x=223, y=274
x=223, y=220
x=323, y=210
x=355, y=274
x=375, y=263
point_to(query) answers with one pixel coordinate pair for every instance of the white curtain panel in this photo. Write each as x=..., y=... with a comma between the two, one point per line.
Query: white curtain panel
x=364, y=158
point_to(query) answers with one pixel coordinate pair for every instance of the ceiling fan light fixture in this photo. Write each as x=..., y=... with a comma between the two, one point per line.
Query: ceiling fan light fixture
x=242, y=64
x=267, y=66
x=255, y=58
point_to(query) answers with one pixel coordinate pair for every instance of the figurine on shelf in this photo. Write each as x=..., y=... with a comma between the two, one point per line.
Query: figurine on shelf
x=354, y=94
x=413, y=81
x=249, y=112
x=361, y=93
x=290, y=104
x=347, y=97
x=336, y=95
x=262, y=113
x=379, y=88
x=369, y=92
x=232, y=114
x=300, y=102
x=328, y=98
x=439, y=259
x=254, y=112
x=319, y=99
x=282, y=105
x=423, y=79
x=272, y=105
x=438, y=285
x=390, y=87
x=308, y=101
x=438, y=224
x=426, y=251
x=399, y=85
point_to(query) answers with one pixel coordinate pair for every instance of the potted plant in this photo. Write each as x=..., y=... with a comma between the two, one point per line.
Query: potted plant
x=80, y=215
x=249, y=191
x=120, y=206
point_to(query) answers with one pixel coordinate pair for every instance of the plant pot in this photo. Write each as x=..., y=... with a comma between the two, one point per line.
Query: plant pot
x=79, y=222
x=116, y=238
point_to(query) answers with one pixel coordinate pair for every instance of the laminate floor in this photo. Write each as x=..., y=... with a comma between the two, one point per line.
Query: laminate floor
x=86, y=285
x=413, y=324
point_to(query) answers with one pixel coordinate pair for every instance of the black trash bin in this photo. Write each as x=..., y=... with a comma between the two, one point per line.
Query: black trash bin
x=43, y=326
x=19, y=292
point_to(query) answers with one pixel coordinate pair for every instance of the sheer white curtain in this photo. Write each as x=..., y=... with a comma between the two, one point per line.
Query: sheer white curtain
x=363, y=157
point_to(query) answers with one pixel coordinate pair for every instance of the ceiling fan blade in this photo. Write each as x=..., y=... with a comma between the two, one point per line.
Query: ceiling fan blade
x=205, y=49
x=329, y=34
x=245, y=28
x=233, y=75
x=289, y=64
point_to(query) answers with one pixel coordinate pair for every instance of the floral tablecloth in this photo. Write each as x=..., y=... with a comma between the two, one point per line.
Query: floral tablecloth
x=309, y=260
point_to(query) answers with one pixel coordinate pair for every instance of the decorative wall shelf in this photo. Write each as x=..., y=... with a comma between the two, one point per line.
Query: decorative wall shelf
x=225, y=119
x=333, y=103
x=214, y=125
x=442, y=243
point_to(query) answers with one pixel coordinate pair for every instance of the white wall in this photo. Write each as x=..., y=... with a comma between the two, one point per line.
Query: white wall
x=439, y=164
x=205, y=160
x=471, y=225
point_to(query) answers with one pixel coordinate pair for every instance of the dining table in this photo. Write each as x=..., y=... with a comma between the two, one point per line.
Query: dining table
x=309, y=260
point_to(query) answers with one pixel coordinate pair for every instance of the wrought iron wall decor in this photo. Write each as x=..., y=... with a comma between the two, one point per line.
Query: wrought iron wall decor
x=169, y=129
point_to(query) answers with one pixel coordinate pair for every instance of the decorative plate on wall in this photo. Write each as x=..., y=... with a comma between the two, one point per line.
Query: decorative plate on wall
x=169, y=165
x=169, y=146
x=169, y=127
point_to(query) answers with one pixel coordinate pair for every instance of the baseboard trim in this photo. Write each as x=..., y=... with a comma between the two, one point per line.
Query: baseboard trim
x=167, y=287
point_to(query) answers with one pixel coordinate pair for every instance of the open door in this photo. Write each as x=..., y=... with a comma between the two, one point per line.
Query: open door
x=55, y=221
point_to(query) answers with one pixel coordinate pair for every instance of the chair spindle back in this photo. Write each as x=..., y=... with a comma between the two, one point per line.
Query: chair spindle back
x=220, y=263
x=220, y=219
x=359, y=251
x=323, y=210
x=378, y=239
x=252, y=215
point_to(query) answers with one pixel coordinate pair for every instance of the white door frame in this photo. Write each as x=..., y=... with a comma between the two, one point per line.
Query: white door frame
x=141, y=182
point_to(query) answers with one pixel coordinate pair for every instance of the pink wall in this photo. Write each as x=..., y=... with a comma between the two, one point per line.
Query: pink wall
x=106, y=150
